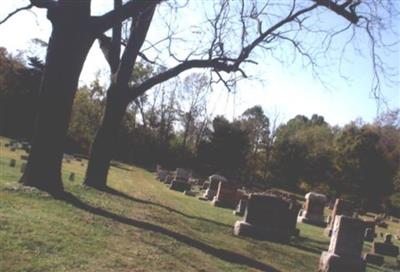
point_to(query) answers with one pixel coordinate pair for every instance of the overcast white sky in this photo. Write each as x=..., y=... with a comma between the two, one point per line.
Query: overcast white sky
x=289, y=90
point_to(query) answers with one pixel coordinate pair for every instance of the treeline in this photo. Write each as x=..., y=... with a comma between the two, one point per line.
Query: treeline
x=172, y=127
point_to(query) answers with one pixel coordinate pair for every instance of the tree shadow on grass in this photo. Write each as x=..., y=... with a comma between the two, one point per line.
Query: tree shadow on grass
x=131, y=198
x=222, y=254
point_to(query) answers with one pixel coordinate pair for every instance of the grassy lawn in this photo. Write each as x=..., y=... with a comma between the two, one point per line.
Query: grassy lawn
x=139, y=225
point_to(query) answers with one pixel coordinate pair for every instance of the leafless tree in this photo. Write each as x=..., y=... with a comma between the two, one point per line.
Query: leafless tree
x=229, y=37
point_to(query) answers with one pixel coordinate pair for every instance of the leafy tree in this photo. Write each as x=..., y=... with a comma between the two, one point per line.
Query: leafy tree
x=256, y=124
x=362, y=169
x=226, y=150
x=19, y=85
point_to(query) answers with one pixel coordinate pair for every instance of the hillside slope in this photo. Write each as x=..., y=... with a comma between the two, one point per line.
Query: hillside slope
x=138, y=225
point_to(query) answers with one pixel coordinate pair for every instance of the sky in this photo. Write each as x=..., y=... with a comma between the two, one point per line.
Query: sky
x=283, y=90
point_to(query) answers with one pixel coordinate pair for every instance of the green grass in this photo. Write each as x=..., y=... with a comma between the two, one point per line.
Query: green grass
x=146, y=228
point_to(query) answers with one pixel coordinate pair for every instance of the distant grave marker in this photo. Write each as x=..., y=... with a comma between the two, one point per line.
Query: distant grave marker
x=386, y=248
x=241, y=207
x=213, y=186
x=342, y=207
x=72, y=176
x=24, y=157
x=13, y=162
x=189, y=193
x=23, y=166
x=313, y=210
x=180, y=182
x=345, y=248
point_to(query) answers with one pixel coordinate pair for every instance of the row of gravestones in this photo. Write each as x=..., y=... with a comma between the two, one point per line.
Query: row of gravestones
x=13, y=145
x=351, y=232
x=267, y=216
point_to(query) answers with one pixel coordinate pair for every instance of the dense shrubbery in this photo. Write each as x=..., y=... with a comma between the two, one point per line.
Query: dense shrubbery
x=171, y=126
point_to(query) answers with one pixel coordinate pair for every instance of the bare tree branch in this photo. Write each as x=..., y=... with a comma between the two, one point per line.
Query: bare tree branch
x=15, y=12
x=130, y=9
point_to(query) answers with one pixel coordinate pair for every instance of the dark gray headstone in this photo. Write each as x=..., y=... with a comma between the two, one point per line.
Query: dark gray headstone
x=13, y=162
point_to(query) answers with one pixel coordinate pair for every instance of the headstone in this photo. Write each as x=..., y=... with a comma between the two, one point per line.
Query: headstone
x=24, y=157
x=265, y=218
x=369, y=235
x=13, y=162
x=382, y=224
x=161, y=174
x=23, y=166
x=168, y=179
x=13, y=149
x=369, y=230
x=313, y=211
x=388, y=238
x=189, y=193
x=345, y=248
x=387, y=249
x=294, y=208
x=342, y=207
x=205, y=185
x=241, y=207
x=374, y=259
x=227, y=195
x=72, y=176
x=213, y=186
x=180, y=182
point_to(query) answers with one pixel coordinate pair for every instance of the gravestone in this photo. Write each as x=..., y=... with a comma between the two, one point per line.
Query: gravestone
x=13, y=162
x=369, y=230
x=369, y=235
x=189, y=193
x=227, y=195
x=180, y=182
x=205, y=185
x=24, y=157
x=265, y=218
x=168, y=179
x=162, y=174
x=241, y=207
x=213, y=186
x=313, y=210
x=386, y=248
x=374, y=259
x=23, y=166
x=72, y=176
x=342, y=207
x=345, y=248
x=294, y=208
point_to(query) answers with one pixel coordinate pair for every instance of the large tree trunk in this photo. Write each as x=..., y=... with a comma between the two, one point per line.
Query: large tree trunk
x=101, y=151
x=68, y=47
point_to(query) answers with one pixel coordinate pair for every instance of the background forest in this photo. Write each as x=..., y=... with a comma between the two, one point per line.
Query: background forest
x=173, y=126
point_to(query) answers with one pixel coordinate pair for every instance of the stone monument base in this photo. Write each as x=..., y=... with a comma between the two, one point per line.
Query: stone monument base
x=330, y=262
x=242, y=228
x=209, y=194
x=223, y=204
x=180, y=186
x=374, y=259
x=189, y=193
x=310, y=221
x=385, y=249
